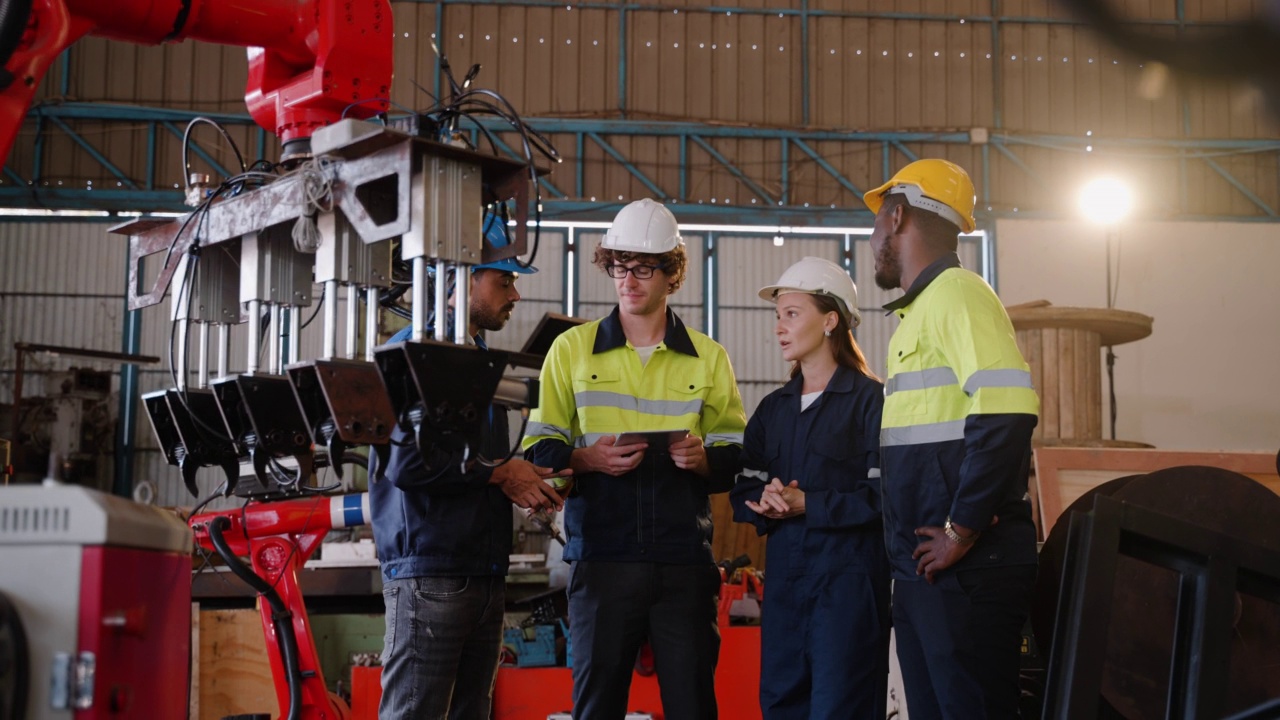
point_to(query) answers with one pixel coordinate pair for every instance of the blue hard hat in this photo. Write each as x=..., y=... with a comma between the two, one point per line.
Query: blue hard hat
x=495, y=235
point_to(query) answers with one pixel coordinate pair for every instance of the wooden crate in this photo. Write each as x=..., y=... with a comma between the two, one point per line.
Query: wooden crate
x=1063, y=474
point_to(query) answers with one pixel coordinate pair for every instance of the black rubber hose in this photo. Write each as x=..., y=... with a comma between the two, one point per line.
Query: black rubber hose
x=280, y=614
x=13, y=699
x=14, y=15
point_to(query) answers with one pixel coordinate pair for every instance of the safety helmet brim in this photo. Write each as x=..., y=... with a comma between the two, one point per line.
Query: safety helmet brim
x=818, y=276
x=509, y=265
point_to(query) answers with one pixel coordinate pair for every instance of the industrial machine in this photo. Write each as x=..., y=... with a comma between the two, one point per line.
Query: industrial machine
x=370, y=211
x=311, y=62
x=278, y=538
x=95, y=606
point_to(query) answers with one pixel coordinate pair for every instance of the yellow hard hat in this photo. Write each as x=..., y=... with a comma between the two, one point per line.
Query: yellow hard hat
x=935, y=185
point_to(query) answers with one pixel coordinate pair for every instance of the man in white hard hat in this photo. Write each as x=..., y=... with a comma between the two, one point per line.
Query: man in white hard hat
x=955, y=440
x=638, y=519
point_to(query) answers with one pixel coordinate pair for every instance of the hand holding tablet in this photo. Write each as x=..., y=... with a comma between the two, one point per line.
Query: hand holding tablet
x=654, y=438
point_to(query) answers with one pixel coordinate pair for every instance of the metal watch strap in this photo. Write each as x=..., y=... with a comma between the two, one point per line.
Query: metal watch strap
x=956, y=537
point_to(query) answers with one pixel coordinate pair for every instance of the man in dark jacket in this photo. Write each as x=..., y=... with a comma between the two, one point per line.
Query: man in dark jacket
x=443, y=534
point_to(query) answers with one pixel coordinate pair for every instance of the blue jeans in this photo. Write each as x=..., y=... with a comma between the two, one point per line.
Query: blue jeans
x=440, y=654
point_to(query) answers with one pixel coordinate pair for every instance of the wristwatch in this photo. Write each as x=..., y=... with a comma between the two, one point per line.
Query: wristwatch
x=956, y=537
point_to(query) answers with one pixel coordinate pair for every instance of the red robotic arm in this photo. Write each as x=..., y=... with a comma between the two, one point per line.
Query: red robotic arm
x=309, y=60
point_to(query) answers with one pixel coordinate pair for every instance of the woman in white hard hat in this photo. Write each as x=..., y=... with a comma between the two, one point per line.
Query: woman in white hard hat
x=811, y=482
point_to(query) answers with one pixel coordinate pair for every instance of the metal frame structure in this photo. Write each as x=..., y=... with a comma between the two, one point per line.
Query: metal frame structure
x=999, y=150
x=562, y=200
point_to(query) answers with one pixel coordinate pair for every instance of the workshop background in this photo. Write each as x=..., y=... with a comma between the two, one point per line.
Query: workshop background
x=765, y=117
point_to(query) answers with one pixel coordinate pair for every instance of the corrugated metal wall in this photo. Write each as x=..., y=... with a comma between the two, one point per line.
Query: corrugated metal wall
x=64, y=284
x=933, y=65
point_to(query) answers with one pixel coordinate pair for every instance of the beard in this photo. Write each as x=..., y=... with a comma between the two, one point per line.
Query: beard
x=888, y=268
x=487, y=318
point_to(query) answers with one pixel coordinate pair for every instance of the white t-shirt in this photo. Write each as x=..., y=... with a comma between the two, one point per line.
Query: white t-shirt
x=645, y=352
x=808, y=399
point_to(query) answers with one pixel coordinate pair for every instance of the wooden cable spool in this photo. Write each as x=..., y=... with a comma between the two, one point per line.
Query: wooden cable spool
x=1062, y=345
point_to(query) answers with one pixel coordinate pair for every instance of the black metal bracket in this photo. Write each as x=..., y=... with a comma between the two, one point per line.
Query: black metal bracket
x=262, y=415
x=1212, y=566
x=344, y=404
x=187, y=426
x=440, y=390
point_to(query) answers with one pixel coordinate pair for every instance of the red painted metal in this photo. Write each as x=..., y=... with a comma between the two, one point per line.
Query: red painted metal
x=535, y=693
x=310, y=61
x=135, y=617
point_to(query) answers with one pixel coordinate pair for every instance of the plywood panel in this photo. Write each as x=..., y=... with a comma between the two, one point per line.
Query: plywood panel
x=883, y=72
x=1064, y=474
x=235, y=676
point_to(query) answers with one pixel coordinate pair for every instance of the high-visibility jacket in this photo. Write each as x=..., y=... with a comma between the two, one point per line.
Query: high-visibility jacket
x=958, y=415
x=593, y=385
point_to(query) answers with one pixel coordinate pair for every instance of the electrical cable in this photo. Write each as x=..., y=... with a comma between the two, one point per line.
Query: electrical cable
x=314, y=313
x=281, y=617
x=186, y=147
x=524, y=425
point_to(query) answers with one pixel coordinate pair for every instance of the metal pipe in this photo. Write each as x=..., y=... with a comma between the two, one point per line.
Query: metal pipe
x=353, y=318
x=441, y=300
x=295, y=333
x=512, y=393
x=461, y=305
x=255, y=336
x=224, y=349
x=181, y=355
x=330, y=319
x=202, y=361
x=273, y=339
x=370, y=322
x=418, y=320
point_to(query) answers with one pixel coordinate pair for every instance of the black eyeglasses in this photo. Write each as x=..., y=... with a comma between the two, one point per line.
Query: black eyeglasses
x=641, y=272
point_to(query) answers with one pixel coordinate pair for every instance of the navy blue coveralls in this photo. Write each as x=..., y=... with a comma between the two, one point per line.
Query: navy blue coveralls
x=825, y=640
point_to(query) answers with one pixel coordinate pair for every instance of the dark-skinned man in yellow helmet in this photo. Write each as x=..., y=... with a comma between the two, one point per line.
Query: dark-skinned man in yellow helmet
x=955, y=448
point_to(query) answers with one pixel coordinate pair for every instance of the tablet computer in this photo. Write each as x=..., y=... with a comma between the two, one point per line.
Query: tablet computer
x=655, y=438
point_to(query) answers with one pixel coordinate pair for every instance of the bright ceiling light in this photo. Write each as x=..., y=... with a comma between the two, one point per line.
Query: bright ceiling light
x=1106, y=200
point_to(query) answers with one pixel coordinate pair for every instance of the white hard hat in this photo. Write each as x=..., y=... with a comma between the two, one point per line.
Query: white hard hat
x=816, y=276
x=644, y=226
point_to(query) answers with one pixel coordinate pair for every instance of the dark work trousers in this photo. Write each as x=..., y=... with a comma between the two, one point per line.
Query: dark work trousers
x=959, y=641
x=614, y=606
x=825, y=647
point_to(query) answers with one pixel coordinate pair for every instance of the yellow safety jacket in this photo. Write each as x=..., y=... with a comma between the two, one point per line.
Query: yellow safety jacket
x=958, y=415
x=593, y=385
